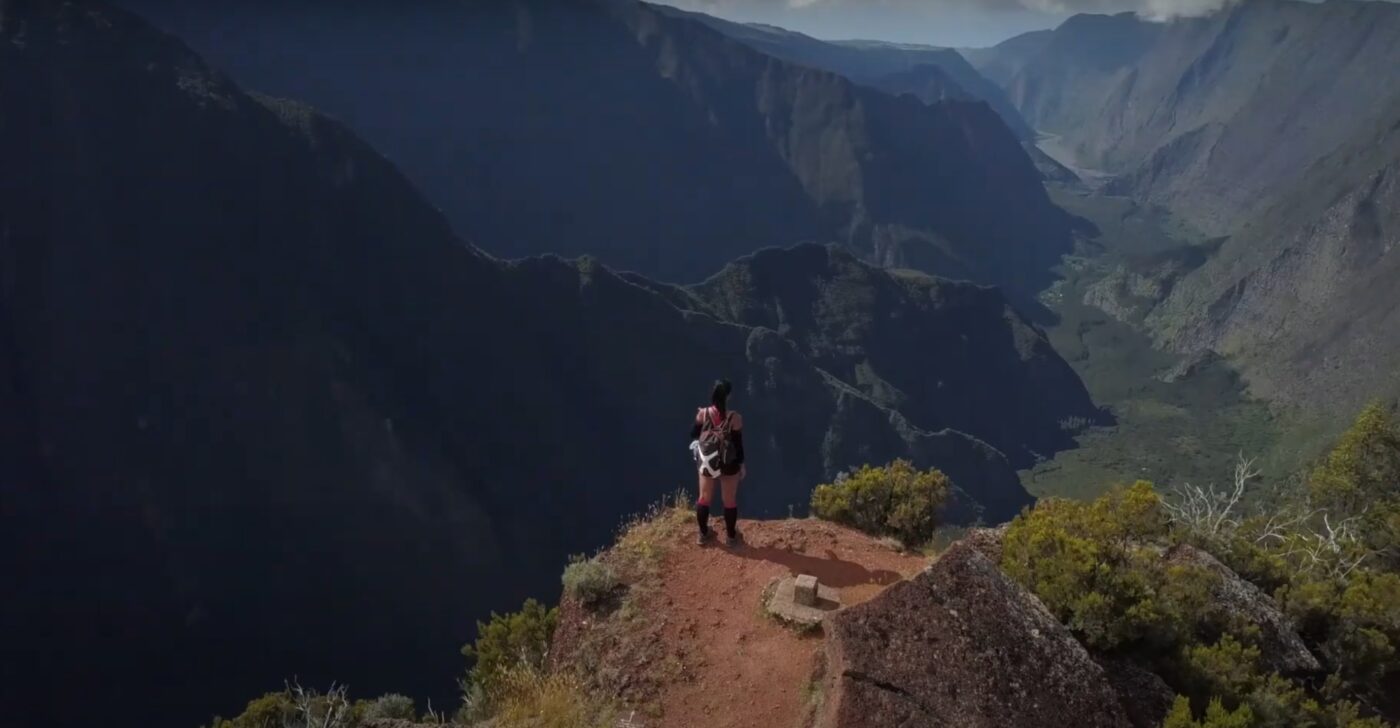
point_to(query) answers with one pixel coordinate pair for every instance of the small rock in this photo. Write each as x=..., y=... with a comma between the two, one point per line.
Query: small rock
x=804, y=590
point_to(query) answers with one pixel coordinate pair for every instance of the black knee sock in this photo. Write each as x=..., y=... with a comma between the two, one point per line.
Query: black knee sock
x=702, y=517
x=731, y=518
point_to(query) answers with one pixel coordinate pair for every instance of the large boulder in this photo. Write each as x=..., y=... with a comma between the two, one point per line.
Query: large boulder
x=1280, y=647
x=961, y=645
x=988, y=540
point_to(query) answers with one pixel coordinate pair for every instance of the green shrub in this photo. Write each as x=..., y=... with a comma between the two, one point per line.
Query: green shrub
x=895, y=500
x=1227, y=669
x=390, y=707
x=1362, y=467
x=589, y=580
x=509, y=641
x=1099, y=568
x=1216, y=716
x=272, y=710
x=1355, y=623
x=1360, y=478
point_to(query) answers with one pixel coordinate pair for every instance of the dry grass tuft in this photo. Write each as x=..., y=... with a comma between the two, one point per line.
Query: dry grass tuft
x=529, y=698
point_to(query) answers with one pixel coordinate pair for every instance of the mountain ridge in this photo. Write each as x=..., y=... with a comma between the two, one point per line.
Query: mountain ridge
x=669, y=110
x=1203, y=116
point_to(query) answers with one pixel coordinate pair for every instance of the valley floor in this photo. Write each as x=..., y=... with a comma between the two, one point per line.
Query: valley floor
x=1175, y=423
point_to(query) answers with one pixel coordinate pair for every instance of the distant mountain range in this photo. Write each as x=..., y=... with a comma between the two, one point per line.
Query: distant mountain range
x=1211, y=117
x=927, y=72
x=617, y=129
x=1272, y=124
x=263, y=411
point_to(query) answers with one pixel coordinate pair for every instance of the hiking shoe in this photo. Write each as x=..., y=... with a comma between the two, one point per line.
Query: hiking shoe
x=704, y=538
x=733, y=539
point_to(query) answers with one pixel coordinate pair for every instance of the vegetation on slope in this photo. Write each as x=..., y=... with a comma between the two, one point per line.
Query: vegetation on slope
x=1133, y=574
x=1176, y=420
x=1328, y=556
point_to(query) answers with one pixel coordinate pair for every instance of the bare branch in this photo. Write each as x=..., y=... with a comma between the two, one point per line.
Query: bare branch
x=1208, y=512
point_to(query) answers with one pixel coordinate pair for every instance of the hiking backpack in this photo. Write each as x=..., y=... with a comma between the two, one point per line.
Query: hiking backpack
x=716, y=447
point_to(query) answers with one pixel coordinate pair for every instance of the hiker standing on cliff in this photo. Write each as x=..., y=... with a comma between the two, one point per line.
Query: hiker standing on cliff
x=717, y=443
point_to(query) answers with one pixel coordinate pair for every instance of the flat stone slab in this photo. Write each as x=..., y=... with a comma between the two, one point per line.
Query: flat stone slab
x=784, y=601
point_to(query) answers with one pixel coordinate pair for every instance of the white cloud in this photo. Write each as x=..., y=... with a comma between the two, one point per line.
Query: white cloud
x=940, y=22
x=1152, y=9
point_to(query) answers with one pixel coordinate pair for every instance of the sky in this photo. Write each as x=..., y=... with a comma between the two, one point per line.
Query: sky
x=958, y=23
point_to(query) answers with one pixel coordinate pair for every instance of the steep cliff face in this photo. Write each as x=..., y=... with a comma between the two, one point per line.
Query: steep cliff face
x=254, y=392
x=940, y=72
x=611, y=128
x=1003, y=61
x=1304, y=299
x=1271, y=122
x=1215, y=117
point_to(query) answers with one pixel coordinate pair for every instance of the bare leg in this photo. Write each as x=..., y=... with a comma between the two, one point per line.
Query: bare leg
x=702, y=506
x=729, y=490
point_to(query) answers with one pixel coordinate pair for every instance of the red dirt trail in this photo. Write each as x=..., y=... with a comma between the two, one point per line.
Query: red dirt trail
x=743, y=669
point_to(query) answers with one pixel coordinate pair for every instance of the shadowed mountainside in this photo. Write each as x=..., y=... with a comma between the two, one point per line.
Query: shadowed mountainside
x=903, y=337
x=610, y=128
x=260, y=403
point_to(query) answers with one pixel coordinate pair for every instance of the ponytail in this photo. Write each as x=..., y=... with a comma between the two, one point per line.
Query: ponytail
x=719, y=395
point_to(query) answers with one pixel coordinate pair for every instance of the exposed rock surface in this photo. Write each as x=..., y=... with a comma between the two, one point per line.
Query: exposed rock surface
x=1144, y=695
x=961, y=645
x=987, y=540
x=1281, y=649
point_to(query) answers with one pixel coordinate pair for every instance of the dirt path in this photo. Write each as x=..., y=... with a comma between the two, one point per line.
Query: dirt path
x=742, y=669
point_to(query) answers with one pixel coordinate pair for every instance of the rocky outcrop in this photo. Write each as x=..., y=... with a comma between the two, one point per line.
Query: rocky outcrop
x=1280, y=647
x=961, y=645
x=987, y=540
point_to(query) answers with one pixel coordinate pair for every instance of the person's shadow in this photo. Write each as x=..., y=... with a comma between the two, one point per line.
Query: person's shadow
x=831, y=571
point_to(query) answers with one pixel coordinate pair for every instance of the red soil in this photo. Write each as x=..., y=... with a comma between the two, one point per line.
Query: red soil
x=743, y=669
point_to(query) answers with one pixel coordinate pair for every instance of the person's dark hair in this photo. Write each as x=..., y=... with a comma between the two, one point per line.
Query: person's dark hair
x=719, y=395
